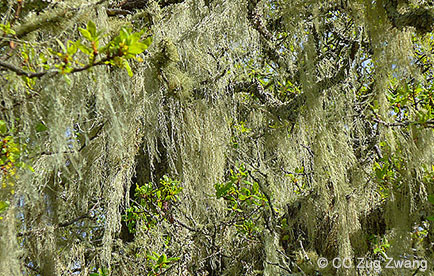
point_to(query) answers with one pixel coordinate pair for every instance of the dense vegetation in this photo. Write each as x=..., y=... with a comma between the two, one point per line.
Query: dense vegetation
x=216, y=137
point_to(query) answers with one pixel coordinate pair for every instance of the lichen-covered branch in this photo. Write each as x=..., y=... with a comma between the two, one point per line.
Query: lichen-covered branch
x=422, y=19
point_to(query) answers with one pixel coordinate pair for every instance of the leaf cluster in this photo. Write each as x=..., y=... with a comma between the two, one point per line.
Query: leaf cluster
x=158, y=263
x=154, y=203
x=244, y=200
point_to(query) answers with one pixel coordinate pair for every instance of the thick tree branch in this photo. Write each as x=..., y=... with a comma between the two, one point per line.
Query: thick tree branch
x=420, y=18
x=47, y=19
x=256, y=89
x=257, y=21
x=267, y=196
x=42, y=21
x=258, y=24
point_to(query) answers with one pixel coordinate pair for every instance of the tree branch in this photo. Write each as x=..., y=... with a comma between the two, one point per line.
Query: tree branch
x=41, y=21
x=81, y=148
x=280, y=266
x=420, y=18
x=21, y=72
x=267, y=196
x=114, y=12
x=63, y=224
x=47, y=19
x=427, y=124
x=72, y=221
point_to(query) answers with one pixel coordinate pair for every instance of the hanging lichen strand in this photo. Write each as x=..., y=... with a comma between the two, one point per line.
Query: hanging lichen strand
x=251, y=138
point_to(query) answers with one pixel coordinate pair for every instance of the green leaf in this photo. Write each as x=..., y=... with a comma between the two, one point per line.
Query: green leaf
x=41, y=127
x=148, y=41
x=431, y=198
x=3, y=127
x=162, y=259
x=85, y=33
x=431, y=218
x=377, y=250
x=133, y=38
x=7, y=29
x=223, y=190
x=255, y=187
x=124, y=34
x=83, y=48
x=137, y=48
x=67, y=79
x=72, y=48
x=91, y=28
x=127, y=67
x=3, y=206
x=61, y=45
x=248, y=182
x=153, y=257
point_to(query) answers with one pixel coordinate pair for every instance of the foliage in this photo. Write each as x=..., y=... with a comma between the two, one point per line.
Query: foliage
x=6, y=29
x=387, y=172
x=68, y=58
x=379, y=245
x=431, y=200
x=100, y=272
x=420, y=233
x=11, y=160
x=159, y=263
x=3, y=207
x=154, y=204
x=298, y=177
x=328, y=106
x=244, y=200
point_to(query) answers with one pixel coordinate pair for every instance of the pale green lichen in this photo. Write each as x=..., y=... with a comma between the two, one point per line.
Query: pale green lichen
x=152, y=124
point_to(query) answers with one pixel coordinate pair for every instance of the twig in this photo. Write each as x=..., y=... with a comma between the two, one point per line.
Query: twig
x=270, y=204
x=428, y=124
x=308, y=149
x=43, y=21
x=280, y=266
x=417, y=270
x=186, y=226
x=294, y=173
x=21, y=72
x=32, y=268
x=378, y=151
x=72, y=221
x=63, y=224
x=304, y=252
x=289, y=259
x=80, y=149
x=114, y=12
